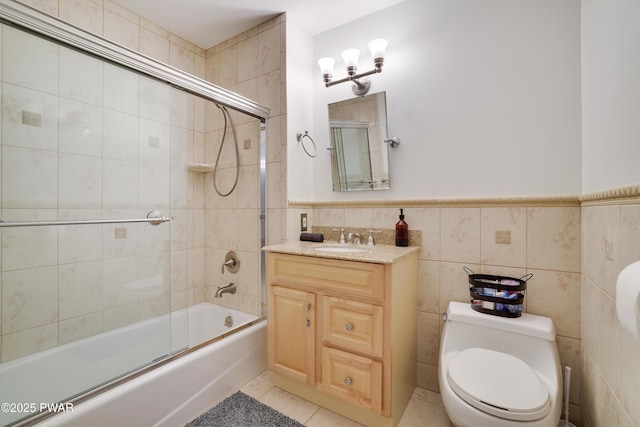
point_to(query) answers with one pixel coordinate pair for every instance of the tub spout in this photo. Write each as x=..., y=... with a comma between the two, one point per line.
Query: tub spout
x=229, y=289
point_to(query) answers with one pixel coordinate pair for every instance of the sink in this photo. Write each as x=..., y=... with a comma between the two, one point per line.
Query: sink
x=340, y=249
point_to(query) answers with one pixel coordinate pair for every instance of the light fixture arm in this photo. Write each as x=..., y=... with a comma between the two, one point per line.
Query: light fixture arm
x=353, y=77
x=360, y=85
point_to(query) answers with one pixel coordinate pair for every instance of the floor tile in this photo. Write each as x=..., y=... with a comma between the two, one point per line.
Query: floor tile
x=288, y=404
x=323, y=418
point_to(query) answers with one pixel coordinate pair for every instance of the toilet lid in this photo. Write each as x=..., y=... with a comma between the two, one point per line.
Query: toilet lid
x=499, y=384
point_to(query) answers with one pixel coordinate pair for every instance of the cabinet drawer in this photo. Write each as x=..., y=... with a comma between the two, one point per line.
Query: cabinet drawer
x=360, y=279
x=354, y=379
x=354, y=325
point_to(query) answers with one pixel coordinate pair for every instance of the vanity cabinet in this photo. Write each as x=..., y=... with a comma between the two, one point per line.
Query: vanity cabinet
x=342, y=333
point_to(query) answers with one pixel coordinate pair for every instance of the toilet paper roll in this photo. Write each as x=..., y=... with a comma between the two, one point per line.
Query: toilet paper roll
x=628, y=299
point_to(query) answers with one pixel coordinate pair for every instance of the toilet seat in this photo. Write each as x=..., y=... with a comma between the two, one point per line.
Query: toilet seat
x=499, y=384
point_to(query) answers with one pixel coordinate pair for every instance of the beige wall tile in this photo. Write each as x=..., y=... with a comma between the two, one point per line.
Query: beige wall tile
x=84, y=14
x=569, y=350
x=629, y=375
x=505, y=220
x=628, y=251
x=429, y=286
x=29, y=341
x=248, y=59
x=269, y=50
x=556, y=295
x=460, y=235
x=80, y=289
x=426, y=220
x=29, y=298
x=609, y=342
x=182, y=58
x=80, y=327
x=553, y=238
x=428, y=338
x=454, y=283
x=269, y=92
x=46, y=6
x=358, y=218
x=154, y=45
x=121, y=30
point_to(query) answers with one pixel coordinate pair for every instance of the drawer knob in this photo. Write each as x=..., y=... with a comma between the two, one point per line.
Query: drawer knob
x=347, y=381
x=348, y=326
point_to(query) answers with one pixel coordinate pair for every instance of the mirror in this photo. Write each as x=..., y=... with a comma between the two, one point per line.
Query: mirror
x=359, y=155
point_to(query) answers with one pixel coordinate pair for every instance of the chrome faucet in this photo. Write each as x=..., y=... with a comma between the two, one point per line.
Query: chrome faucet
x=229, y=289
x=354, y=237
x=370, y=240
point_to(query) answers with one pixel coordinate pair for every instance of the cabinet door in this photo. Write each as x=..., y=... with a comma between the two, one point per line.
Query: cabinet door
x=291, y=333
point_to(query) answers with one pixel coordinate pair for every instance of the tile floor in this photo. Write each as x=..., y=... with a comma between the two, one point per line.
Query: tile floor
x=425, y=408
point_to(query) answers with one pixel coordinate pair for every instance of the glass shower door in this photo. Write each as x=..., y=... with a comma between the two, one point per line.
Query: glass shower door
x=82, y=139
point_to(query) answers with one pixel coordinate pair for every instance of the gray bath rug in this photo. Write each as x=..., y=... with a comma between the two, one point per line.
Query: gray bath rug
x=240, y=410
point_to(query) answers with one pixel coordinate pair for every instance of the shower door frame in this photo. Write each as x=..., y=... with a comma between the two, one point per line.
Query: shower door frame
x=31, y=20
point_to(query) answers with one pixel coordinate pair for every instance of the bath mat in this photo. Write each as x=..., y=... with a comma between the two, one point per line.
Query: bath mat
x=240, y=410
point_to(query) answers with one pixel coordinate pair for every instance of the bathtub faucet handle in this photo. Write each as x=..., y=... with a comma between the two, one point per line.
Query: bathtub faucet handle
x=232, y=262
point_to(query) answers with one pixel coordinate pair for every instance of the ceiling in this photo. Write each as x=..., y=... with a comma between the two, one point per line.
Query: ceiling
x=209, y=22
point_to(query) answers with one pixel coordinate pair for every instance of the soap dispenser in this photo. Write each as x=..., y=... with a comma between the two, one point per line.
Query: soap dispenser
x=402, y=231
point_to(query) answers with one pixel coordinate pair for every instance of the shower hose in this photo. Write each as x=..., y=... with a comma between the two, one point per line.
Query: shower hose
x=227, y=121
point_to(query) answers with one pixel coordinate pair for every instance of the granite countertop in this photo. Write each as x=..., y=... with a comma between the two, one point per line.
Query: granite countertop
x=379, y=254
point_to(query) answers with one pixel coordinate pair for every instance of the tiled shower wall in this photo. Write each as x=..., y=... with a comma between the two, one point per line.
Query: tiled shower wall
x=252, y=65
x=545, y=240
x=610, y=355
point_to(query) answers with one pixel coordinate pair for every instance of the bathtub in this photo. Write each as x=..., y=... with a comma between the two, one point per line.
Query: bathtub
x=170, y=393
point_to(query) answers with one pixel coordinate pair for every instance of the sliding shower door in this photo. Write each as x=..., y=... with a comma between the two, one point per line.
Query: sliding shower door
x=91, y=149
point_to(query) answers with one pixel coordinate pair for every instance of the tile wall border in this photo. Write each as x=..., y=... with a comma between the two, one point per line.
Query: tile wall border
x=444, y=202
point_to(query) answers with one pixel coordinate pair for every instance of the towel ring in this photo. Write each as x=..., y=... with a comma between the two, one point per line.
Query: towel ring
x=300, y=137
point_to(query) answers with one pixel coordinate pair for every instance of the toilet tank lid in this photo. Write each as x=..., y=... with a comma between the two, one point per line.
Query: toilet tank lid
x=527, y=324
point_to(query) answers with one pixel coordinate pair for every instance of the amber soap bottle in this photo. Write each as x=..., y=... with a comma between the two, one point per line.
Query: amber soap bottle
x=402, y=231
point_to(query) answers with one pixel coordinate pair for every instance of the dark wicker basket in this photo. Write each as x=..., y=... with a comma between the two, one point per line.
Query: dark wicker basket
x=497, y=295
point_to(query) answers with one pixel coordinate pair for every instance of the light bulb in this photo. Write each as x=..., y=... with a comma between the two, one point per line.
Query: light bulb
x=326, y=65
x=377, y=48
x=350, y=57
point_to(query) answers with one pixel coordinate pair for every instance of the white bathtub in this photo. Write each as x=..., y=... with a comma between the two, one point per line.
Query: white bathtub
x=169, y=395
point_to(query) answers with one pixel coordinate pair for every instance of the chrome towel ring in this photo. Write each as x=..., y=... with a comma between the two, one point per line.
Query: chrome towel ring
x=300, y=137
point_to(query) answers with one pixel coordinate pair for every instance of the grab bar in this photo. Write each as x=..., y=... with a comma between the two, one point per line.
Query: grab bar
x=153, y=218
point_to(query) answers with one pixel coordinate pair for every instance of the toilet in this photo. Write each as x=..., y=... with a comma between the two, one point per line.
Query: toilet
x=497, y=372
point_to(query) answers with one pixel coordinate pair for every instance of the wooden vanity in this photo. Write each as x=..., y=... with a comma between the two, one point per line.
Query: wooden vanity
x=341, y=328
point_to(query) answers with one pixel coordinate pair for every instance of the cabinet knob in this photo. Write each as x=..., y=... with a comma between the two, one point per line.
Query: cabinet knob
x=348, y=326
x=347, y=381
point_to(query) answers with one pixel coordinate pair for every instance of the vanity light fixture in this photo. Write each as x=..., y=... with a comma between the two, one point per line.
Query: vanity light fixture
x=350, y=57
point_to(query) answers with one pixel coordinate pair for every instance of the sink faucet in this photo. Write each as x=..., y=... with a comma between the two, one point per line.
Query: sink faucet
x=354, y=237
x=229, y=289
x=370, y=240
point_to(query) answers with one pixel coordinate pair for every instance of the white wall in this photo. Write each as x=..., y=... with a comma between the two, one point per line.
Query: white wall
x=299, y=74
x=485, y=97
x=610, y=94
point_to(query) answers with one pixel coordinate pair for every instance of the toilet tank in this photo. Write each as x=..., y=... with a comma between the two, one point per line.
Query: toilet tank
x=527, y=324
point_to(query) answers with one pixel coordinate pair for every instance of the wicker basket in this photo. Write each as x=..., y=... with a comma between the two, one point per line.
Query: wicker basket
x=497, y=295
